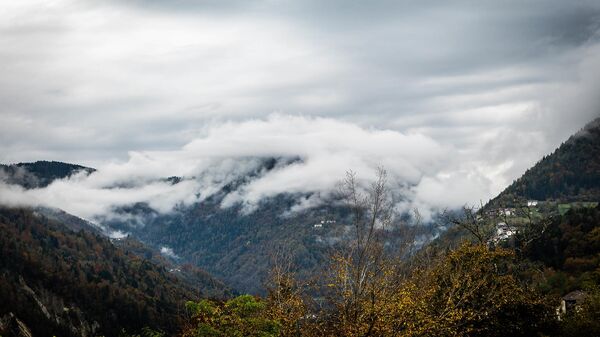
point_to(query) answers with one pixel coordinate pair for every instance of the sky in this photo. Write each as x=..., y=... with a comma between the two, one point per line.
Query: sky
x=455, y=99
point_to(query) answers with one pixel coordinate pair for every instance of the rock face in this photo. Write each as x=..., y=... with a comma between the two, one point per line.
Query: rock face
x=45, y=307
x=50, y=308
x=10, y=325
x=55, y=310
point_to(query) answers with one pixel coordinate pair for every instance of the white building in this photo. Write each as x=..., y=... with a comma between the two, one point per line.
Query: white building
x=504, y=231
x=507, y=211
x=571, y=302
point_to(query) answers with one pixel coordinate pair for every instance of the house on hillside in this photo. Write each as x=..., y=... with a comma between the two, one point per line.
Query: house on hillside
x=571, y=302
x=503, y=232
x=507, y=212
x=323, y=222
x=490, y=213
x=532, y=203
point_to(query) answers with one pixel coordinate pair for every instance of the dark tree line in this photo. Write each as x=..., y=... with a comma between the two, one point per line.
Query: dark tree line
x=64, y=283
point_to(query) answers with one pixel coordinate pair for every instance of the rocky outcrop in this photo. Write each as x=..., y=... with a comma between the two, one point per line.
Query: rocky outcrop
x=53, y=311
x=11, y=326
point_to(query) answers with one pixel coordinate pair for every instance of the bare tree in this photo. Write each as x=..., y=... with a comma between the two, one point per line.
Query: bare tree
x=364, y=272
x=364, y=277
x=471, y=219
x=286, y=301
x=482, y=223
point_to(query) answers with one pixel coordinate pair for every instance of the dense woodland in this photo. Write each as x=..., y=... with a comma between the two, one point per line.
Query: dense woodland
x=571, y=173
x=569, y=248
x=239, y=247
x=470, y=290
x=40, y=173
x=65, y=283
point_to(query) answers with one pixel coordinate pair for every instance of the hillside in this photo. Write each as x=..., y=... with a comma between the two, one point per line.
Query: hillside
x=236, y=246
x=59, y=282
x=570, y=249
x=568, y=178
x=240, y=248
x=571, y=173
x=39, y=173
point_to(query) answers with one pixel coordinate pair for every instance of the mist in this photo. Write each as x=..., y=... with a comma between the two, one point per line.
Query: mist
x=315, y=154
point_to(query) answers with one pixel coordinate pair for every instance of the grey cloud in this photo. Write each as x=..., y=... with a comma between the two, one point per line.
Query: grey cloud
x=326, y=148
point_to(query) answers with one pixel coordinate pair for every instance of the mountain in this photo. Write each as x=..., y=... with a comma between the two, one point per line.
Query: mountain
x=40, y=173
x=568, y=178
x=240, y=247
x=571, y=173
x=56, y=281
x=70, y=221
x=231, y=243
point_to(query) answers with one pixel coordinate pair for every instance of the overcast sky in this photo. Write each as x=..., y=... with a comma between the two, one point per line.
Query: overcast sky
x=451, y=95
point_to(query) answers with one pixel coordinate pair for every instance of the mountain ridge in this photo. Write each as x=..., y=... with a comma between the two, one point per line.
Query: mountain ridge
x=57, y=281
x=40, y=173
x=570, y=173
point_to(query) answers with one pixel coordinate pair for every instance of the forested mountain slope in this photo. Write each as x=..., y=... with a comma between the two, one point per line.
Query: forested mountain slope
x=570, y=173
x=570, y=249
x=231, y=243
x=39, y=173
x=569, y=178
x=240, y=248
x=65, y=283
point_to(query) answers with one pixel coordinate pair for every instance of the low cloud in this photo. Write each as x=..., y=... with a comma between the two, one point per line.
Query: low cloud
x=314, y=155
x=168, y=252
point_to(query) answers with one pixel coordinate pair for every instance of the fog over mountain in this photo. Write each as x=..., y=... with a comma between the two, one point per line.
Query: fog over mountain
x=317, y=159
x=455, y=99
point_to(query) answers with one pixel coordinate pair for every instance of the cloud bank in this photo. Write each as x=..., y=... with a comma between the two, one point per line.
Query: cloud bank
x=319, y=152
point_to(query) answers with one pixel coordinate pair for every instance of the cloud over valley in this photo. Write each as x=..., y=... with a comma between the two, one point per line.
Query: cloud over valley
x=312, y=155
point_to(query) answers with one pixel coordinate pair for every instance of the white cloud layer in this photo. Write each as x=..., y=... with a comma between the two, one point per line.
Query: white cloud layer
x=428, y=173
x=168, y=252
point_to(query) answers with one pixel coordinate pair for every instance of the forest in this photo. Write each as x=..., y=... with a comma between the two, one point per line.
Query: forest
x=570, y=173
x=66, y=283
x=74, y=283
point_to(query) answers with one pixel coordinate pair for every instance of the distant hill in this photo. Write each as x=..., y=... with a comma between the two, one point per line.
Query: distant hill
x=59, y=282
x=240, y=248
x=233, y=245
x=567, y=178
x=39, y=173
x=571, y=173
